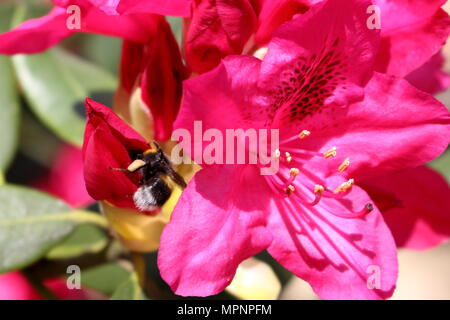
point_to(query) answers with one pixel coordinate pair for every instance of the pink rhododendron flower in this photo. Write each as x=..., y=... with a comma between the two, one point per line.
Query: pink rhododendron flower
x=415, y=204
x=39, y=34
x=340, y=123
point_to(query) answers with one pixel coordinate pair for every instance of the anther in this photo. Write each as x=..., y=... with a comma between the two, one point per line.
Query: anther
x=136, y=165
x=288, y=157
x=318, y=191
x=331, y=153
x=345, y=186
x=294, y=172
x=290, y=190
x=344, y=165
x=304, y=134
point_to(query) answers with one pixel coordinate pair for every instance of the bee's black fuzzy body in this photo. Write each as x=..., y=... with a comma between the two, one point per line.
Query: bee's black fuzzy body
x=156, y=177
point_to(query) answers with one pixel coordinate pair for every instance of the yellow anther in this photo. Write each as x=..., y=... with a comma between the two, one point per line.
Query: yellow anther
x=345, y=186
x=318, y=189
x=288, y=157
x=331, y=153
x=136, y=165
x=294, y=172
x=290, y=190
x=304, y=134
x=344, y=165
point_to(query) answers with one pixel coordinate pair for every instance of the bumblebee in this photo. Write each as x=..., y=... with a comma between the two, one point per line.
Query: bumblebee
x=157, y=178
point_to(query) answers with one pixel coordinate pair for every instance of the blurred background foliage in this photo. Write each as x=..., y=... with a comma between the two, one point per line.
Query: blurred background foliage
x=41, y=113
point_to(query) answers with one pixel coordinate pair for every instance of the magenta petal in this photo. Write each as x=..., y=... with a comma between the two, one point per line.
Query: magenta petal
x=430, y=77
x=337, y=256
x=39, y=34
x=180, y=8
x=36, y=35
x=213, y=228
x=412, y=32
x=415, y=204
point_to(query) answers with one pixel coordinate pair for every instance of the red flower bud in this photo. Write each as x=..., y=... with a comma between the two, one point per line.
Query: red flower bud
x=218, y=28
x=108, y=143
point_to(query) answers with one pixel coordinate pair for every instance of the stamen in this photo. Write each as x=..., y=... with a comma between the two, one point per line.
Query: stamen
x=344, y=165
x=368, y=208
x=294, y=172
x=136, y=165
x=290, y=190
x=288, y=157
x=345, y=186
x=304, y=134
x=318, y=190
x=331, y=153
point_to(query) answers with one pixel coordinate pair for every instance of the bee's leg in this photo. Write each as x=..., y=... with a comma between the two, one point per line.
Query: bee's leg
x=120, y=169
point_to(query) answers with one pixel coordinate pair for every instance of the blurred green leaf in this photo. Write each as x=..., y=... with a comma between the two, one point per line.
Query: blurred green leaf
x=85, y=239
x=56, y=84
x=103, y=51
x=105, y=278
x=31, y=223
x=9, y=113
x=129, y=290
x=9, y=98
x=442, y=164
x=6, y=13
x=176, y=24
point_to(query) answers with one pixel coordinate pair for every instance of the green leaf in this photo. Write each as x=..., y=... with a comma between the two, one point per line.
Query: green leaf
x=56, y=84
x=85, y=239
x=105, y=278
x=129, y=290
x=9, y=113
x=31, y=223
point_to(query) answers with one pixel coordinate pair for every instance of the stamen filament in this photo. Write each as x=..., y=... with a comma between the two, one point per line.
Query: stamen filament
x=318, y=191
x=294, y=172
x=290, y=190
